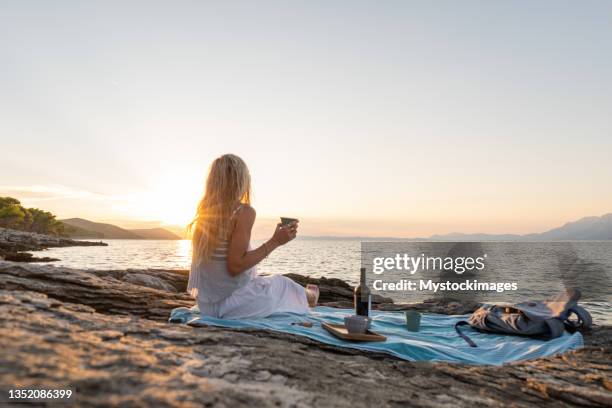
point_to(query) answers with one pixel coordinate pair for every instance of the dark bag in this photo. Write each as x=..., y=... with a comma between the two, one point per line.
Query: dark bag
x=547, y=319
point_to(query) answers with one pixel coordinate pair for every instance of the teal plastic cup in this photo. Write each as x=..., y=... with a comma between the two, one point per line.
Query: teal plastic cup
x=413, y=320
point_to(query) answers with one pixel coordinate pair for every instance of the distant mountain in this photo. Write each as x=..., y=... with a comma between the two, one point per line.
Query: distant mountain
x=180, y=232
x=155, y=233
x=81, y=228
x=457, y=236
x=109, y=231
x=76, y=232
x=585, y=229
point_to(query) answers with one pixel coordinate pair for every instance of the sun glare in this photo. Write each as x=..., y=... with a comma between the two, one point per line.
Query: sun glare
x=172, y=199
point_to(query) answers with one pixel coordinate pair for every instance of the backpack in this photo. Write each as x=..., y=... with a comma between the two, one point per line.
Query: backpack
x=546, y=319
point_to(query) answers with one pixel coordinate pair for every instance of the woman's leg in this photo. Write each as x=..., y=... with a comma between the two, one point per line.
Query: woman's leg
x=263, y=296
x=290, y=296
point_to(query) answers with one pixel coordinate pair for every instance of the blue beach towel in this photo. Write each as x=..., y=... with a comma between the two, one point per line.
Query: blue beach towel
x=436, y=340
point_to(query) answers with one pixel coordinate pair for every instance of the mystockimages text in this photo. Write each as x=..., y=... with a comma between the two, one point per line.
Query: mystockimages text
x=412, y=264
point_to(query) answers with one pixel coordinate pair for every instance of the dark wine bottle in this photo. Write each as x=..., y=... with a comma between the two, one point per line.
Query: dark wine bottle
x=362, y=298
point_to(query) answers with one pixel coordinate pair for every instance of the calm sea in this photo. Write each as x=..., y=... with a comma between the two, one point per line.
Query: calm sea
x=310, y=257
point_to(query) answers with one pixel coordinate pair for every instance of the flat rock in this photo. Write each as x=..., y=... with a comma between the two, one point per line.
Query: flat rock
x=105, y=291
x=108, y=339
x=13, y=243
x=149, y=281
x=27, y=257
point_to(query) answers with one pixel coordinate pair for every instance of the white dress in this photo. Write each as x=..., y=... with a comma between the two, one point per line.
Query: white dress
x=247, y=295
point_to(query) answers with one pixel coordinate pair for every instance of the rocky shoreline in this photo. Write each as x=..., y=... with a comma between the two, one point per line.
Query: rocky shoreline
x=14, y=244
x=104, y=333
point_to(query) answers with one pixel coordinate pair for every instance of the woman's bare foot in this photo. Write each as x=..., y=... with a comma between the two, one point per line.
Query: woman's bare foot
x=312, y=294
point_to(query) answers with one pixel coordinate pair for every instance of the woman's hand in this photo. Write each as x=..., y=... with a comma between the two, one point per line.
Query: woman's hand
x=239, y=257
x=284, y=233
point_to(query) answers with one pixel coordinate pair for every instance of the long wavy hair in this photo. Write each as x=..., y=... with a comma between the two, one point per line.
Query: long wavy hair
x=228, y=185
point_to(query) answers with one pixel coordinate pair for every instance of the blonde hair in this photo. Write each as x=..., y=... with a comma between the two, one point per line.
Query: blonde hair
x=228, y=185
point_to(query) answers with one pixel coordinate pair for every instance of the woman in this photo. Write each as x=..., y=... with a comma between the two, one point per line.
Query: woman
x=223, y=276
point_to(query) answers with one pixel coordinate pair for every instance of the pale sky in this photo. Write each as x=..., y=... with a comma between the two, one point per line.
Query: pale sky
x=392, y=118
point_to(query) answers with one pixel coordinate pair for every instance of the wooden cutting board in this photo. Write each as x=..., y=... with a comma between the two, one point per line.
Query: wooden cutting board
x=340, y=331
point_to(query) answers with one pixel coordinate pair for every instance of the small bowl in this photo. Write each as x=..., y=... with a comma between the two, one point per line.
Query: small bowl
x=357, y=324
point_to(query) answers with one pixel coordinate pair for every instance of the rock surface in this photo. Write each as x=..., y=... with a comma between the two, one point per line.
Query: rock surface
x=13, y=243
x=107, y=338
x=103, y=291
x=26, y=257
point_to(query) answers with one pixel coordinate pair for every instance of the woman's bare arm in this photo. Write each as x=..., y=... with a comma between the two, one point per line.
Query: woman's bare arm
x=239, y=258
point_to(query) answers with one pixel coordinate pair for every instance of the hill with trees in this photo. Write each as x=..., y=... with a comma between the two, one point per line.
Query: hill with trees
x=82, y=228
x=15, y=216
x=90, y=229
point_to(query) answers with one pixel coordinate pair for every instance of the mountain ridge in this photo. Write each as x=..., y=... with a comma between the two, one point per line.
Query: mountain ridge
x=155, y=233
x=82, y=228
x=591, y=228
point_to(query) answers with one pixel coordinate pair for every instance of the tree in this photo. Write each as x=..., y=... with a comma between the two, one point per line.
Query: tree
x=6, y=201
x=13, y=215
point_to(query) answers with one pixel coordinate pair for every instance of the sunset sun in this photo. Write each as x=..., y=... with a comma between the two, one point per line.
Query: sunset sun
x=172, y=199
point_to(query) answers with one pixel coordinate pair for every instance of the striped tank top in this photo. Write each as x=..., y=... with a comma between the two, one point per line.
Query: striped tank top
x=211, y=282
